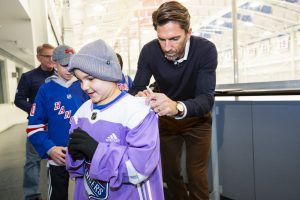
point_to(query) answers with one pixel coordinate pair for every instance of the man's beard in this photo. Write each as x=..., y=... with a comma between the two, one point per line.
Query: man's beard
x=171, y=58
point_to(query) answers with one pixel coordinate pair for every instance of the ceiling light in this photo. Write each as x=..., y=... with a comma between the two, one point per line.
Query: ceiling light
x=98, y=8
x=93, y=28
x=267, y=33
x=255, y=4
x=134, y=19
x=76, y=3
x=220, y=22
x=248, y=24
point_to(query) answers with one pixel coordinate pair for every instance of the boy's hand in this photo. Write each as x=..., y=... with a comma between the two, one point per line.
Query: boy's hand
x=82, y=144
x=58, y=154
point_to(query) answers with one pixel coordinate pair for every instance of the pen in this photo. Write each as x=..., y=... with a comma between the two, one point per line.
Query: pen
x=149, y=90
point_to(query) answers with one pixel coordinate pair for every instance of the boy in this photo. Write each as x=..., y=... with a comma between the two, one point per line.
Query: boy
x=113, y=150
x=126, y=82
x=49, y=122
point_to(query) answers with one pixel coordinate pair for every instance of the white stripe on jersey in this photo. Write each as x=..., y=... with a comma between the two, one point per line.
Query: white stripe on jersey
x=140, y=192
x=134, y=176
x=50, y=185
x=36, y=126
x=34, y=131
x=149, y=189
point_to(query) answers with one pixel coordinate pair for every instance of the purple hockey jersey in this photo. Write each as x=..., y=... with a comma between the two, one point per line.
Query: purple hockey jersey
x=126, y=163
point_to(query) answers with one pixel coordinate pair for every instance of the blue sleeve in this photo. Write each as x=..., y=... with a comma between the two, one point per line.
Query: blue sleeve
x=22, y=94
x=38, y=119
x=129, y=164
x=129, y=82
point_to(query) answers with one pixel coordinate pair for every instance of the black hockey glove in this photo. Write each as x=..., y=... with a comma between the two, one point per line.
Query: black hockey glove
x=82, y=144
x=77, y=155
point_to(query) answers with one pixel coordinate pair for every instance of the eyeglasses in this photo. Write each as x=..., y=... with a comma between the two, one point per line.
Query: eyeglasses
x=47, y=56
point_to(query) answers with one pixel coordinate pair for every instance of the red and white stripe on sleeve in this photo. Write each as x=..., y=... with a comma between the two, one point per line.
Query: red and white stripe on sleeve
x=32, y=129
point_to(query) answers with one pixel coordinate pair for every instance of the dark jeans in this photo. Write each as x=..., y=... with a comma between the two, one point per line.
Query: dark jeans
x=31, y=175
x=58, y=183
x=196, y=133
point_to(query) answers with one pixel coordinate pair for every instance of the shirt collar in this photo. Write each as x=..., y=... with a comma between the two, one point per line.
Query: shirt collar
x=186, y=53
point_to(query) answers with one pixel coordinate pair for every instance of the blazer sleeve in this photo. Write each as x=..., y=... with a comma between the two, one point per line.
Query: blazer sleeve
x=22, y=94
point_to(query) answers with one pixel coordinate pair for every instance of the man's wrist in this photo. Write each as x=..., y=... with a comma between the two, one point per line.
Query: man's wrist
x=181, y=110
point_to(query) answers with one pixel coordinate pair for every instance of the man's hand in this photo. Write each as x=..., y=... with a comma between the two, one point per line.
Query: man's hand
x=81, y=144
x=144, y=93
x=161, y=104
x=58, y=154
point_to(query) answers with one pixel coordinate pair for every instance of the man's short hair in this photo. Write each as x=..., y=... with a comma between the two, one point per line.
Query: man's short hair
x=171, y=11
x=120, y=60
x=40, y=49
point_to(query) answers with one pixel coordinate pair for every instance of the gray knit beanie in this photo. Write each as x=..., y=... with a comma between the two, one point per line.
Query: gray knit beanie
x=98, y=60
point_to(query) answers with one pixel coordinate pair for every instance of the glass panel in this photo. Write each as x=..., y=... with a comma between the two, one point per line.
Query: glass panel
x=268, y=33
x=268, y=36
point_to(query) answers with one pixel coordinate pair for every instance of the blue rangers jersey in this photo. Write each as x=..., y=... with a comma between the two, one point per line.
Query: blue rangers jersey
x=125, y=84
x=51, y=114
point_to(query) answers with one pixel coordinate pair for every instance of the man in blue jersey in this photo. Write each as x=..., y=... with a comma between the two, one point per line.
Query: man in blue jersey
x=51, y=114
x=184, y=68
x=28, y=86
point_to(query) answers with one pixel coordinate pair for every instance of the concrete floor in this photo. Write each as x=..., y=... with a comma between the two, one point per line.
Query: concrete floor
x=12, y=158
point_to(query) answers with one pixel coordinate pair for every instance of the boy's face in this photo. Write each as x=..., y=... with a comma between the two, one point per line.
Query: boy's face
x=100, y=92
x=63, y=72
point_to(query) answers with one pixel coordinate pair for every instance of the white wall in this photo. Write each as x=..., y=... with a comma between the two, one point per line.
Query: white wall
x=41, y=33
x=11, y=115
x=11, y=81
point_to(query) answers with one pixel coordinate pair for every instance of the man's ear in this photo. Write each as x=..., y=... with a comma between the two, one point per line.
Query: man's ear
x=38, y=58
x=189, y=33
